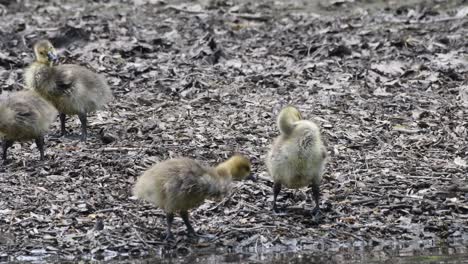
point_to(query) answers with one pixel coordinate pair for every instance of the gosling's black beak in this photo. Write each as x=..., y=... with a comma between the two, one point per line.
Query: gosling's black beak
x=251, y=177
x=52, y=56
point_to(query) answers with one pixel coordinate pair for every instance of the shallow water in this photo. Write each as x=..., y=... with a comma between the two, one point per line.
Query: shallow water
x=388, y=252
x=406, y=252
x=410, y=253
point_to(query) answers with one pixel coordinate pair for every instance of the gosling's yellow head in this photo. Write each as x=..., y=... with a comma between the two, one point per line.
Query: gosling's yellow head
x=291, y=113
x=45, y=52
x=238, y=167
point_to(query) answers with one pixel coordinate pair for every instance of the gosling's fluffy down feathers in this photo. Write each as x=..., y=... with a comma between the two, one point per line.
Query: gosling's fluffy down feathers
x=298, y=160
x=297, y=157
x=179, y=184
x=72, y=89
x=24, y=115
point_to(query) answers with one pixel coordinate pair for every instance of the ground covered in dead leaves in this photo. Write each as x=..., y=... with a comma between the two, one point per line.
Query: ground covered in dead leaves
x=387, y=86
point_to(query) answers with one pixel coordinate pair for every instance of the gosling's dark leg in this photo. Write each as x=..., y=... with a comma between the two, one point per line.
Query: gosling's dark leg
x=6, y=144
x=276, y=191
x=316, y=195
x=185, y=217
x=83, y=120
x=169, y=220
x=40, y=146
x=62, y=124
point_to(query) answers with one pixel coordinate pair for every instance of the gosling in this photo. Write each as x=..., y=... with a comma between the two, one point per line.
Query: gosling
x=24, y=116
x=177, y=185
x=72, y=89
x=297, y=157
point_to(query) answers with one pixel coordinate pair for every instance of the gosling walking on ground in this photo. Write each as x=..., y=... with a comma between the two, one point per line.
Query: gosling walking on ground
x=24, y=116
x=297, y=157
x=72, y=89
x=177, y=185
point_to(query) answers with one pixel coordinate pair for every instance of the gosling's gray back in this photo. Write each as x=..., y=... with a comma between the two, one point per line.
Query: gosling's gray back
x=86, y=85
x=178, y=184
x=24, y=115
x=72, y=89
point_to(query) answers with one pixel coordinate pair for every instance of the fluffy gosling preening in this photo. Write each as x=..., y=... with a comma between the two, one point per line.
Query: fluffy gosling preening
x=297, y=157
x=178, y=185
x=24, y=116
x=72, y=89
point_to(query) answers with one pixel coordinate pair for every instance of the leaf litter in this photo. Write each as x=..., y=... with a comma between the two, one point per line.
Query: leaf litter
x=387, y=86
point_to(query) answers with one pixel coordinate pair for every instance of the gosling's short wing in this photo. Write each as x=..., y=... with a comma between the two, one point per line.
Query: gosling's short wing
x=67, y=76
x=186, y=186
x=85, y=82
x=191, y=185
x=64, y=79
x=24, y=114
x=191, y=178
x=71, y=73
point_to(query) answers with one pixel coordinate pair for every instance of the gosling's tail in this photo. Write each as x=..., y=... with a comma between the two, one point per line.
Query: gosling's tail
x=7, y=115
x=144, y=188
x=137, y=189
x=286, y=119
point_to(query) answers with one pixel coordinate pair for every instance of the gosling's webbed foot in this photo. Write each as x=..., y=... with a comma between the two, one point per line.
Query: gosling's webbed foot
x=316, y=215
x=316, y=194
x=191, y=232
x=280, y=211
x=316, y=211
x=169, y=237
x=206, y=236
x=275, y=209
x=198, y=235
x=59, y=134
x=169, y=219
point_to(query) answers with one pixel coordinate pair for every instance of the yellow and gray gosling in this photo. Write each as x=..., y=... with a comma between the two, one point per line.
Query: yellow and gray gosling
x=72, y=89
x=24, y=116
x=297, y=157
x=177, y=185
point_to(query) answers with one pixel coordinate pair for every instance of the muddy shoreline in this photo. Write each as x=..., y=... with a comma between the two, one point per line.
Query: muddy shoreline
x=387, y=84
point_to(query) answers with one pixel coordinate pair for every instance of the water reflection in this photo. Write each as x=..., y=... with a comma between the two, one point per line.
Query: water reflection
x=426, y=251
x=410, y=252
